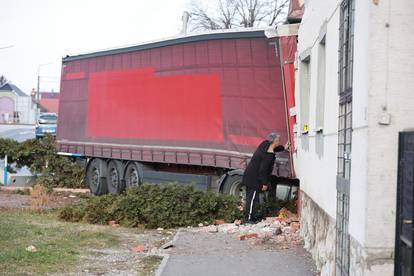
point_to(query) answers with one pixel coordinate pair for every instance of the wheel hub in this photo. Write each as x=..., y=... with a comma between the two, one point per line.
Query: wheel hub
x=133, y=178
x=239, y=191
x=114, y=178
x=95, y=177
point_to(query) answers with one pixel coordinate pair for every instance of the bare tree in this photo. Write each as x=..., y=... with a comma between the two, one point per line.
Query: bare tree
x=227, y=14
x=223, y=16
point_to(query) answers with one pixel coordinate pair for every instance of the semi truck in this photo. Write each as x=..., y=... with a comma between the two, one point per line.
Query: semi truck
x=190, y=109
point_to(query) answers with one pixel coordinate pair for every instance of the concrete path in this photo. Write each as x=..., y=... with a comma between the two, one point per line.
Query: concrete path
x=205, y=254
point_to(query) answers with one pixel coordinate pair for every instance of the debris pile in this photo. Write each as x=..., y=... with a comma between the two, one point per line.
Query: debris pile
x=282, y=230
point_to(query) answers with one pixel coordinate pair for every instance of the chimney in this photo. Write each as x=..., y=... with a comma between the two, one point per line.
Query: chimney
x=185, y=18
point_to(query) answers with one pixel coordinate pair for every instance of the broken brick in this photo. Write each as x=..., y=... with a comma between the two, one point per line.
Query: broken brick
x=218, y=222
x=247, y=236
x=139, y=248
x=241, y=237
x=280, y=238
x=252, y=235
x=271, y=219
x=281, y=219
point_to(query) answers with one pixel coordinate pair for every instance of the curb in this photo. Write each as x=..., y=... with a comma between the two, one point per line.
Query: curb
x=166, y=257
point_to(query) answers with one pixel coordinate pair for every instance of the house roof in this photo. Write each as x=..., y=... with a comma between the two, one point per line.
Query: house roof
x=13, y=88
x=49, y=105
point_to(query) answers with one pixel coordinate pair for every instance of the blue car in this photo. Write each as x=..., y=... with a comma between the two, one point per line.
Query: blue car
x=46, y=125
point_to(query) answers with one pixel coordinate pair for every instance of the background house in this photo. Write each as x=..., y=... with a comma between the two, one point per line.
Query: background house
x=49, y=101
x=15, y=105
x=354, y=105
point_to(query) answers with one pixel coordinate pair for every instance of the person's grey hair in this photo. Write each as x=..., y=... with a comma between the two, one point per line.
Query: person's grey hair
x=273, y=136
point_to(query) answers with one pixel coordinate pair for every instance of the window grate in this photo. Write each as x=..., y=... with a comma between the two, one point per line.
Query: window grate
x=345, y=60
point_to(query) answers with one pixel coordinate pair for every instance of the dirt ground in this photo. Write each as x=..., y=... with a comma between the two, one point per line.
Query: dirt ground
x=139, y=251
x=12, y=199
x=124, y=259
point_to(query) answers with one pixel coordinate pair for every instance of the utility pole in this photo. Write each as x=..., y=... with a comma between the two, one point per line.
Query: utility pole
x=37, y=97
x=38, y=90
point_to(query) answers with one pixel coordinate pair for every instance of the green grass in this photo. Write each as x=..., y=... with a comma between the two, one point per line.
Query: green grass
x=59, y=244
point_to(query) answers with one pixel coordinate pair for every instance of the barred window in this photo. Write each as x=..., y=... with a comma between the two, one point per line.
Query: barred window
x=346, y=45
x=346, y=48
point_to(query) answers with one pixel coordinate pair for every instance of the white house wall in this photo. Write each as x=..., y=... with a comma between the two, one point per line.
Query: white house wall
x=358, y=195
x=390, y=92
x=383, y=81
x=316, y=158
x=318, y=173
x=391, y=85
x=25, y=108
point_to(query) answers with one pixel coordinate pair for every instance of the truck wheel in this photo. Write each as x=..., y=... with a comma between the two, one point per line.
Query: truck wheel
x=95, y=176
x=233, y=186
x=133, y=175
x=115, y=178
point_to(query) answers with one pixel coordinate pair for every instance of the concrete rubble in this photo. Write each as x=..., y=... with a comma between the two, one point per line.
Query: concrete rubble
x=282, y=230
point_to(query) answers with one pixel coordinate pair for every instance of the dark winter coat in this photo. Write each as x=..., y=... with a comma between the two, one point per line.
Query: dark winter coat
x=260, y=167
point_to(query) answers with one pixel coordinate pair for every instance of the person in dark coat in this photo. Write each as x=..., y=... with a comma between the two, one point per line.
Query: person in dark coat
x=258, y=171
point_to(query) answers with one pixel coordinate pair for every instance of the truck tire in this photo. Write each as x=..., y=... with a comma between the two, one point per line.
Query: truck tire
x=115, y=178
x=233, y=186
x=95, y=176
x=133, y=175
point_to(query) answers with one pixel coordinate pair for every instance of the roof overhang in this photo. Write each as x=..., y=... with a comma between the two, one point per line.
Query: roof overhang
x=283, y=30
x=195, y=37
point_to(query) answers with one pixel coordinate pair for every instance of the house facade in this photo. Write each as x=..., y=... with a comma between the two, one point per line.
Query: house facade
x=15, y=105
x=48, y=101
x=354, y=98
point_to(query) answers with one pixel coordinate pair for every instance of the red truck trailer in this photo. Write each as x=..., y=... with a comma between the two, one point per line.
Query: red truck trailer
x=190, y=109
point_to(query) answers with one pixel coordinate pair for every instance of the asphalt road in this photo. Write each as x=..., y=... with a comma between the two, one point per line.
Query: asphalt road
x=17, y=132
x=205, y=254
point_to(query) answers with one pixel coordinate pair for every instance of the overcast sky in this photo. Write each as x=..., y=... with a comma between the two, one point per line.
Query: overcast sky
x=43, y=31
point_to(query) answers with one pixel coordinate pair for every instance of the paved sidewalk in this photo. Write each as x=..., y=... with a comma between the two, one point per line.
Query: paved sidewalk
x=222, y=254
